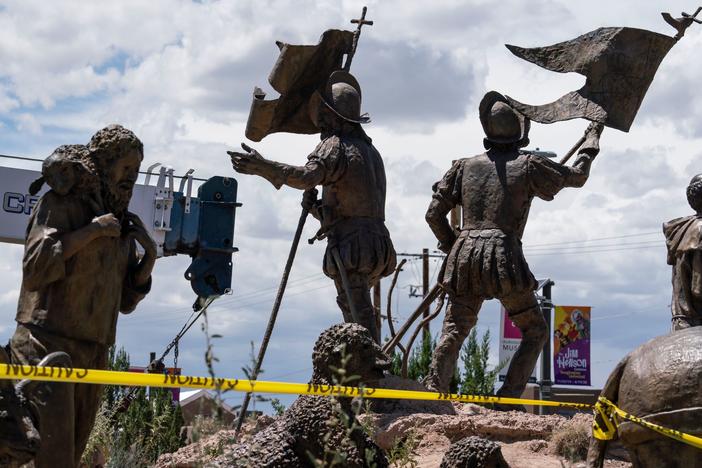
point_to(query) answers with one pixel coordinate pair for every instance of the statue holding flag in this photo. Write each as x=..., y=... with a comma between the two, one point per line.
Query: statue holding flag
x=495, y=189
x=485, y=259
x=317, y=96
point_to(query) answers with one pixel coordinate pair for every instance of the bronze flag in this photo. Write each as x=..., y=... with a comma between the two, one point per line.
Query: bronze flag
x=299, y=71
x=619, y=64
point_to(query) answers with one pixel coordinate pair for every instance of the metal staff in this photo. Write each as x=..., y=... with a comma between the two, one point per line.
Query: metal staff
x=274, y=314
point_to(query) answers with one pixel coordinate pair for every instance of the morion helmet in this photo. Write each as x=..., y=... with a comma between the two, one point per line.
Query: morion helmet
x=501, y=123
x=342, y=95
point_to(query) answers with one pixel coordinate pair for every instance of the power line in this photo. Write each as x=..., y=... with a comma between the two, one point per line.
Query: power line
x=228, y=301
x=597, y=246
x=597, y=239
x=169, y=314
x=539, y=254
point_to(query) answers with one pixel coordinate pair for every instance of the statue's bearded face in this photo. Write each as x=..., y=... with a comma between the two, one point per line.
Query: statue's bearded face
x=120, y=178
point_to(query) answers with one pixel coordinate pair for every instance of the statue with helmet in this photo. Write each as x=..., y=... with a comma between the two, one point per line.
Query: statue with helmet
x=345, y=164
x=485, y=259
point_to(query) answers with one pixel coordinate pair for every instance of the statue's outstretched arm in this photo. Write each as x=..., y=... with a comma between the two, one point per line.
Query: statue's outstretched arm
x=278, y=174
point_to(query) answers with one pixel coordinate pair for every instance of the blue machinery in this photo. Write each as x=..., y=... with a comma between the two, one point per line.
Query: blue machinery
x=203, y=228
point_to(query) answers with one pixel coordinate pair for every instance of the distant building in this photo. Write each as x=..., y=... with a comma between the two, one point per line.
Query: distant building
x=202, y=402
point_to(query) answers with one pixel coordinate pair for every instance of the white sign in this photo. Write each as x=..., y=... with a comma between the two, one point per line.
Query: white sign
x=510, y=339
x=17, y=204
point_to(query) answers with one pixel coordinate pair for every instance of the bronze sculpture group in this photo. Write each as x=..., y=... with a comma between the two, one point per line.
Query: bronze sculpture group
x=81, y=268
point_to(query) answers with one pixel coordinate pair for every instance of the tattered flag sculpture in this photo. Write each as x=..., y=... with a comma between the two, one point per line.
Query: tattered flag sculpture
x=299, y=71
x=619, y=64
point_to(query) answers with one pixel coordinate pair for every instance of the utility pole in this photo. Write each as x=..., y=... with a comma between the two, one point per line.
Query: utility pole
x=545, y=384
x=425, y=256
x=425, y=288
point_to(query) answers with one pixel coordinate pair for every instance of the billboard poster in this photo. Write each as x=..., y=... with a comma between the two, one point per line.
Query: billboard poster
x=571, y=345
x=510, y=337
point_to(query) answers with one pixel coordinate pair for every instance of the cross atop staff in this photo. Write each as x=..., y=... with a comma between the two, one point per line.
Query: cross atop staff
x=360, y=22
x=356, y=34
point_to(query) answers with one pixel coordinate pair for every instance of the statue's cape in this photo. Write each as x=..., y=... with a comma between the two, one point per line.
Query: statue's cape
x=299, y=71
x=619, y=65
x=682, y=235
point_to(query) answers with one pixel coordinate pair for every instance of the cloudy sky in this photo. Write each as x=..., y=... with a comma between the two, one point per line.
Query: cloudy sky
x=180, y=75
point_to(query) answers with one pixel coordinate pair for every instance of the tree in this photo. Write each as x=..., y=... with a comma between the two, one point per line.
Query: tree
x=118, y=360
x=419, y=361
x=477, y=379
x=135, y=431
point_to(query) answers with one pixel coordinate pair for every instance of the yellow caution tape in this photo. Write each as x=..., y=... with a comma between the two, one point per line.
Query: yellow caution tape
x=610, y=412
x=104, y=377
x=608, y=418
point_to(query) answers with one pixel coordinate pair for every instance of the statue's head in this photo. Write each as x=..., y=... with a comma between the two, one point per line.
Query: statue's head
x=63, y=167
x=694, y=193
x=365, y=358
x=115, y=154
x=340, y=104
x=504, y=127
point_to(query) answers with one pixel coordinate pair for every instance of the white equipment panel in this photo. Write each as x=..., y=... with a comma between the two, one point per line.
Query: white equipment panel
x=17, y=203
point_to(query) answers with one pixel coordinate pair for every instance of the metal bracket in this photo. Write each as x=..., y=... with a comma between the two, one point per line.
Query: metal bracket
x=189, y=178
x=150, y=171
x=163, y=203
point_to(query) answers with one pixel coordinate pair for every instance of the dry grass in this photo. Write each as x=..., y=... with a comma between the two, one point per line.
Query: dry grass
x=571, y=440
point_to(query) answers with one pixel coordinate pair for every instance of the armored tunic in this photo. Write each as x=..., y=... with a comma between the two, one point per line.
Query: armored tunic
x=352, y=208
x=684, y=243
x=495, y=191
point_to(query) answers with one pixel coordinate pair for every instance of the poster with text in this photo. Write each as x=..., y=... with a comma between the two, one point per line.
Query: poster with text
x=510, y=338
x=571, y=345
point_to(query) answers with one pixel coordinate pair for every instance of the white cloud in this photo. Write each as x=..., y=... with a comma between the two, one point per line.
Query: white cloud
x=26, y=122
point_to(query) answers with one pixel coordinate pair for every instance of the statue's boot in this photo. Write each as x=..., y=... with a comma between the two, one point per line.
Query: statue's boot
x=461, y=317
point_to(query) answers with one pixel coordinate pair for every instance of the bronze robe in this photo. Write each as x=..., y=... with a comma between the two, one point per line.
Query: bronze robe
x=72, y=306
x=683, y=237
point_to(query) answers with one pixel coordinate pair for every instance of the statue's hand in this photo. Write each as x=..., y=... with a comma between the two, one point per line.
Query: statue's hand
x=107, y=225
x=591, y=146
x=138, y=231
x=309, y=199
x=250, y=162
x=446, y=246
